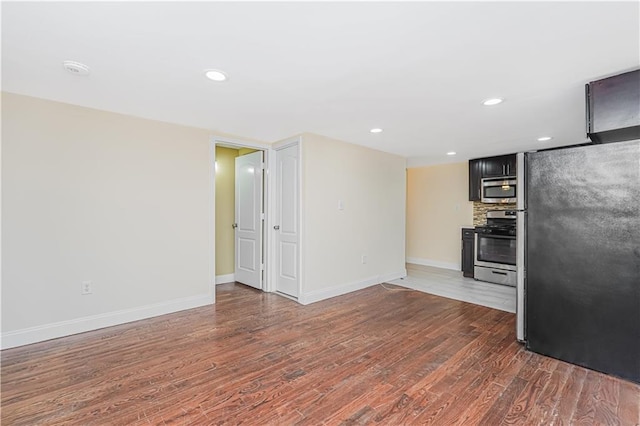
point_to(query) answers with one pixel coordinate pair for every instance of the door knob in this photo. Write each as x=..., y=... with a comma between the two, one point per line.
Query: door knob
x=234, y=226
x=276, y=227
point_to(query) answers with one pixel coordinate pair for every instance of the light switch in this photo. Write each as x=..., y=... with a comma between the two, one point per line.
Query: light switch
x=340, y=205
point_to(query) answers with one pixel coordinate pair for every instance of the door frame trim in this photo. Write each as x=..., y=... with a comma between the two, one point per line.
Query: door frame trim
x=296, y=140
x=268, y=156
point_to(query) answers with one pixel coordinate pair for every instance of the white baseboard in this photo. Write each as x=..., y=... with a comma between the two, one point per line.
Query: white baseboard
x=223, y=279
x=339, y=290
x=434, y=263
x=394, y=276
x=40, y=333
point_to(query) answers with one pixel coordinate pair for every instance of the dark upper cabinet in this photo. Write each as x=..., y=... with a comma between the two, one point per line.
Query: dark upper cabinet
x=493, y=167
x=475, y=174
x=490, y=167
x=613, y=108
x=511, y=163
x=504, y=165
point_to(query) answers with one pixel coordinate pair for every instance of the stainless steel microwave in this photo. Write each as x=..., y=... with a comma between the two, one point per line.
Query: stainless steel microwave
x=498, y=190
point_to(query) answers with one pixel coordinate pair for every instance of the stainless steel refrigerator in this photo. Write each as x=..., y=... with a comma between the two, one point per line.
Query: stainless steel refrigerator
x=579, y=266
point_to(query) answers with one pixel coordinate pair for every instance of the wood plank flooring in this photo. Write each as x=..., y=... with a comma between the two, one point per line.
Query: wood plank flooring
x=375, y=356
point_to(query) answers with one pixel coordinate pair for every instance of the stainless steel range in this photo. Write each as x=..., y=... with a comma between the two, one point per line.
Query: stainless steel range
x=496, y=250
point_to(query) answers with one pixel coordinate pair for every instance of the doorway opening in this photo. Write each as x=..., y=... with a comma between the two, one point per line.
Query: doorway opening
x=256, y=231
x=240, y=213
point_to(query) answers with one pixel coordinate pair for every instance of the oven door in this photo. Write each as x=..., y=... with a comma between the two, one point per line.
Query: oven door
x=498, y=191
x=496, y=251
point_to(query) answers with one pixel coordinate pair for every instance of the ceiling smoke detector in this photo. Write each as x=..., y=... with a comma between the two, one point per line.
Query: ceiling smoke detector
x=75, y=68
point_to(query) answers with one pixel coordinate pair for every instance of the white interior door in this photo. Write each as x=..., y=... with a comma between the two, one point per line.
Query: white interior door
x=248, y=220
x=286, y=221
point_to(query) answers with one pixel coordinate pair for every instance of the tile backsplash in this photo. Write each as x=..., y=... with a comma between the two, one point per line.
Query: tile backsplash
x=480, y=211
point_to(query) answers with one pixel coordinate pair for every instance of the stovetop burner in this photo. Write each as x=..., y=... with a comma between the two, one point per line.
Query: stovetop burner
x=499, y=222
x=496, y=229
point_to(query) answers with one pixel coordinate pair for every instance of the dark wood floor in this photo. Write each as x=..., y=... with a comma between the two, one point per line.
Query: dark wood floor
x=374, y=356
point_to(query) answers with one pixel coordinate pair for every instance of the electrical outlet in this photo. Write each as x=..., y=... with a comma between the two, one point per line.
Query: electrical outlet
x=364, y=259
x=85, y=288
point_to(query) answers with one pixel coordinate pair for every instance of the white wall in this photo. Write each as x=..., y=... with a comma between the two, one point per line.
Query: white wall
x=371, y=185
x=438, y=207
x=92, y=195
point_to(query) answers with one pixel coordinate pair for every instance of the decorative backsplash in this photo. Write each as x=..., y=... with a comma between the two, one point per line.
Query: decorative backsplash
x=480, y=211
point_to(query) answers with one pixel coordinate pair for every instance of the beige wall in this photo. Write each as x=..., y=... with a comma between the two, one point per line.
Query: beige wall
x=92, y=195
x=437, y=208
x=225, y=209
x=124, y=202
x=371, y=185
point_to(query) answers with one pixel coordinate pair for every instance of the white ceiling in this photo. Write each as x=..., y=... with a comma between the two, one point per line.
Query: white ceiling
x=417, y=70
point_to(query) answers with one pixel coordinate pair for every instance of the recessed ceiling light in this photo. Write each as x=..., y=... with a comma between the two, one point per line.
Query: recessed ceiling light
x=451, y=153
x=75, y=68
x=492, y=101
x=375, y=130
x=215, y=75
x=545, y=138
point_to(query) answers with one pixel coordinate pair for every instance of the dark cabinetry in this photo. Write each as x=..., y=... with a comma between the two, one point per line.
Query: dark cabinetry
x=613, y=108
x=475, y=174
x=468, y=251
x=490, y=167
x=504, y=165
